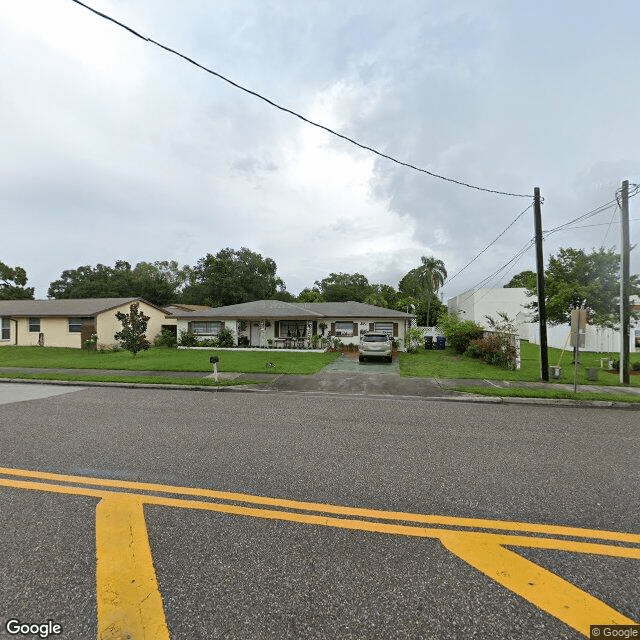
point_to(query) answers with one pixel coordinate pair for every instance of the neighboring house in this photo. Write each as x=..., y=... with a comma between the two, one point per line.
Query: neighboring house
x=476, y=304
x=292, y=324
x=66, y=323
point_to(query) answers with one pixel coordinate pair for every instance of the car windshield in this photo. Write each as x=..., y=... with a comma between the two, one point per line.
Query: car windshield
x=375, y=338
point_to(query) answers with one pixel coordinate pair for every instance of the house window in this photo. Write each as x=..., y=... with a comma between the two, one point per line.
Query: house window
x=387, y=327
x=34, y=325
x=344, y=328
x=292, y=329
x=6, y=329
x=75, y=324
x=205, y=327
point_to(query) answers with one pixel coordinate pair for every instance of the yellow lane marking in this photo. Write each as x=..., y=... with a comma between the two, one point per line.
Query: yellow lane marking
x=539, y=586
x=476, y=523
x=486, y=551
x=129, y=601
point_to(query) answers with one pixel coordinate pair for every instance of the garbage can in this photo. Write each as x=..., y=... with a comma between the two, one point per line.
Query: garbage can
x=592, y=373
x=440, y=342
x=428, y=342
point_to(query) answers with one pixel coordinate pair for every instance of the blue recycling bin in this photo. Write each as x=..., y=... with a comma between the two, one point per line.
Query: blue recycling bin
x=440, y=340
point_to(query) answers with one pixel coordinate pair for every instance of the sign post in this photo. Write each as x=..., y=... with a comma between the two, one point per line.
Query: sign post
x=578, y=330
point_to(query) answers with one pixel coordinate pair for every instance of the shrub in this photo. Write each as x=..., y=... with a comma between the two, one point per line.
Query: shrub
x=635, y=366
x=225, y=338
x=188, y=339
x=459, y=333
x=132, y=336
x=494, y=349
x=165, y=338
x=413, y=339
x=243, y=341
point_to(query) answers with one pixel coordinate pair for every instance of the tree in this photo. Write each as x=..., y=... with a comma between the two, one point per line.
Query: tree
x=382, y=295
x=12, y=283
x=527, y=279
x=425, y=280
x=577, y=279
x=232, y=277
x=310, y=295
x=344, y=287
x=158, y=282
x=134, y=326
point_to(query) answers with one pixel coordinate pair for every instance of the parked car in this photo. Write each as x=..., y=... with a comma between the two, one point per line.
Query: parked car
x=375, y=344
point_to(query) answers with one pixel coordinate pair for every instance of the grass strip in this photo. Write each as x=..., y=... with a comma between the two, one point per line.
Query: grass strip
x=188, y=382
x=553, y=394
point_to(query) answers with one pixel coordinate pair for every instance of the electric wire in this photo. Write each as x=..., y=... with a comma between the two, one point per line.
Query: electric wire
x=294, y=113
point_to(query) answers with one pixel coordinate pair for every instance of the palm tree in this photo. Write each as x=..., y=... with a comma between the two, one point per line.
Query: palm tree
x=431, y=274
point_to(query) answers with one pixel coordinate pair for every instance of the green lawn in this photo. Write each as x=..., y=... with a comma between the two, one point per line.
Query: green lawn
x=161, y=359
x=447, y=364
x=128, y=379
x=555, y=394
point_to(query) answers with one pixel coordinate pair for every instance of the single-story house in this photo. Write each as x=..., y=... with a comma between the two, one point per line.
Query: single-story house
x=281, y=324
x=67, y=323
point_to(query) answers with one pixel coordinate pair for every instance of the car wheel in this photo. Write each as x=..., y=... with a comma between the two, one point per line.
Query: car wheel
x=361, y=358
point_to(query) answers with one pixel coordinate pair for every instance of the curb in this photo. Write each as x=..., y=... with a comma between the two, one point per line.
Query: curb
x=474, y=399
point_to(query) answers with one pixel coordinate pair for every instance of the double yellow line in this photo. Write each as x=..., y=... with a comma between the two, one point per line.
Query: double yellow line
x=129, y=600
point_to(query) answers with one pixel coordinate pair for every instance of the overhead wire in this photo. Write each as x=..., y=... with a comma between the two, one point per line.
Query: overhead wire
x=294, y=113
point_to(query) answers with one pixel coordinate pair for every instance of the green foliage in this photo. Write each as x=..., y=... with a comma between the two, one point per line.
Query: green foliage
x=188, y=339
x=344, y=287
x=575, y=279
x=459, y=333
x=413, y=339
x=310, y=295
x=157, y=282
x=425, y=279
x=527, y=279
x=12, y=283
x=134, y=326
x=166, y=338
x=225, y=338
x=243, y=341
x=232, y=277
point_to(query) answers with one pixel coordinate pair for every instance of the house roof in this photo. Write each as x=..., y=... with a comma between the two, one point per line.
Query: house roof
x=274, y=309
x=67, y=307
x=177, y=308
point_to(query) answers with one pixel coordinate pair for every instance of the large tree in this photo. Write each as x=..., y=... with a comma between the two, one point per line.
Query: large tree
x=575, y=278
x=424, y=281
x=231, y=277
x=157, y=282
x=12, y=283
x=344, y=287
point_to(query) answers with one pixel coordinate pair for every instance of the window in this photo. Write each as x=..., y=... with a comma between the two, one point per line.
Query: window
x=75, y=324
x=205, y=327
x=34, y=325
x=387, y=327
x=6, y=329
x=292, y=329
x=344, y=328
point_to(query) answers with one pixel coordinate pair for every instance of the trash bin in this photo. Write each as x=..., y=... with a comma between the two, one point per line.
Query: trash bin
x=592, y=373
x=440, y=342
x=428, y=342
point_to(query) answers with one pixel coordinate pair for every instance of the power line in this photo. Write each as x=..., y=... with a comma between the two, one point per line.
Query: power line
x=294, y=113
x=489, y=245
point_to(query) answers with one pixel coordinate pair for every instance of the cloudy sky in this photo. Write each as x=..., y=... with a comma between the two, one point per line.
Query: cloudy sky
x=114, y=149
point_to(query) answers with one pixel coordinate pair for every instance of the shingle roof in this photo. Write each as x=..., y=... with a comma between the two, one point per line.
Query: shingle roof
x=299, y=310
x=68, y=307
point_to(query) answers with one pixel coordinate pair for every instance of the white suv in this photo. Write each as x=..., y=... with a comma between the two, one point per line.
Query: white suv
x=375, y=344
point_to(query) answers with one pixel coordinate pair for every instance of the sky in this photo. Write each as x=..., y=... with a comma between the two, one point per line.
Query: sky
x=113, y=149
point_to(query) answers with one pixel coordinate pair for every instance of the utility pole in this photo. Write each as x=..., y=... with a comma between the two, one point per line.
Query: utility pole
x=624, y=284
x=542, y=309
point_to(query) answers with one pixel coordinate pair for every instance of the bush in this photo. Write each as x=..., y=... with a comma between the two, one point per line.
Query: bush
x=243, y=341
x=635, y=366
x=188, y=339
x=225, y=338
x=494, y=349
x=459, y=333
x=165, y=338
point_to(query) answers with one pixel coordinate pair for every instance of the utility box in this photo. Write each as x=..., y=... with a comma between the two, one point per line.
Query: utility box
x=555, y=372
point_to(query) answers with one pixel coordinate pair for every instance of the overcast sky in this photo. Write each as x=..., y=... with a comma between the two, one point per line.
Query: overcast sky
x=113, y=149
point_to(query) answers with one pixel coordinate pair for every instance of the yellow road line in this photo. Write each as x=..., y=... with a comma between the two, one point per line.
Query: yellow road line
x=482, y=523
x=129, y=601
x=122, y=541
x=541, y=587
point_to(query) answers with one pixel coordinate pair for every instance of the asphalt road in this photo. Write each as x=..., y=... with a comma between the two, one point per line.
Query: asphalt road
x=239, y=575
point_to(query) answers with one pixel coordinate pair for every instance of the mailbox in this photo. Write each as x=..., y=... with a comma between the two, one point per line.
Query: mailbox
x=214, y=359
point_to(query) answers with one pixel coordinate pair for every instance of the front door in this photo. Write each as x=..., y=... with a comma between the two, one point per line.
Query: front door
x=254, y=333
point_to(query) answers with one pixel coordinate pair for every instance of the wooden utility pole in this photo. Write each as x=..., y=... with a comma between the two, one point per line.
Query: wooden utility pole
x=624, y=284
x=542, y=309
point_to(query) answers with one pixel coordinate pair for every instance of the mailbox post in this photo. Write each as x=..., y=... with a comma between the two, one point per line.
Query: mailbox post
x=214, y=361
